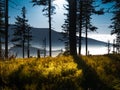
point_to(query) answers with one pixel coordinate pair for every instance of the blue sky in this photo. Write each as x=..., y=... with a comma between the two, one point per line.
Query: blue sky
x=34, y=14
x=36, y=18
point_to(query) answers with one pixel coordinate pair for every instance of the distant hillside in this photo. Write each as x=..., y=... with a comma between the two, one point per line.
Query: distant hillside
x=57, y=45
x=40, y=33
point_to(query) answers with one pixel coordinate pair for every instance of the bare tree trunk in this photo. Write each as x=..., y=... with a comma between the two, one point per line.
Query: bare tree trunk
x=28, y=49
x=80, y=31
x=0, y=48
x=108, y=46
x=114, y=46
x=23, y=37
x=6, y=29
x=38, y=53
x=28, y=53
x=72, y=27
x=28, y=45
x=86, y=37
x=86, y=28
x=44, y=46
x=50, y=41
x=23, y=48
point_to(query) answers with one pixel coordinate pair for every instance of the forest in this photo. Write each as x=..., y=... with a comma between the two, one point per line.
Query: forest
x=70, y=69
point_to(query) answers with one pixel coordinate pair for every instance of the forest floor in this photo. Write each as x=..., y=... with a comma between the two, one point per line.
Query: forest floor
x=99, y=72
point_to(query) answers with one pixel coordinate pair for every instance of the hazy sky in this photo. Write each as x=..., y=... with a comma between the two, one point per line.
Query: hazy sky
x=36, y=18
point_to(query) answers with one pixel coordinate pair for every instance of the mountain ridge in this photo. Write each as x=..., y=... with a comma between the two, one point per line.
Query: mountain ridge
x=39, y=34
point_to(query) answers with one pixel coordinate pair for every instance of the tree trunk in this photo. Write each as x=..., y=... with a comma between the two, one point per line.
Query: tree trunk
x=108, y=46
x=86, y=28
x=28, y=49
x=44, y=44
x=86, y=37
x=0, y=48
x=23, y=48
x=72, y=27
x=38, y=53
x=114, y=46
x=80, y=31
x=28, y=45
x=50, y=41
x=23, y=43
x=28, y=53
x=6, y=29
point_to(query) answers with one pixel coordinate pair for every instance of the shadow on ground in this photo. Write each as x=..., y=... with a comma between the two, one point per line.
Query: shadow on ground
x=91, y=79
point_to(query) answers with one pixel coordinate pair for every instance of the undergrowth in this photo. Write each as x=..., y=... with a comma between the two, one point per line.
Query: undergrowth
x=107, y=67
x=40, y=74
x=61, y=73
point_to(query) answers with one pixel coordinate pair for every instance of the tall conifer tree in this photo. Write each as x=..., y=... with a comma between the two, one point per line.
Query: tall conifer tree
x=50, y=8
x=22, y=32
x=115, y=26
x=86, y=8
x=6, y=29
x=72, y=26
x=2, y=24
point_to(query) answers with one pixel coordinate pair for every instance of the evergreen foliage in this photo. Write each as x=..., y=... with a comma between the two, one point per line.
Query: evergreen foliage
x=2, y=18
x=115, y=26
x=2, y=25
x=83, y=10
x=49, y=7
x=87, y=9
x=22, y=34
x=65, y=32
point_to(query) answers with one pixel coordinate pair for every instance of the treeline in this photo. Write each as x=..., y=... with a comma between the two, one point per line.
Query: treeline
x=78, y=20
x=81, y=22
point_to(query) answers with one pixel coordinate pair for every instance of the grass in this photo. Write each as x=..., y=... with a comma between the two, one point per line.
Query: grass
x=107, y=68
x=40, y=74
x=61, y=73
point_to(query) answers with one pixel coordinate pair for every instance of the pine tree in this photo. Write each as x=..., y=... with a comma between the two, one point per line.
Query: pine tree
x=79, y=18
x=2, y=24
x=87, y=15
x=72, y=26
x=86, y=9
x=50, y=10
x=80, y=24
x=65, y=28
x=115, y=26
x=22, y=32
x=69, y=28
x=6, y=29
x=28, y=37
x=2, y=8
x=65, y=34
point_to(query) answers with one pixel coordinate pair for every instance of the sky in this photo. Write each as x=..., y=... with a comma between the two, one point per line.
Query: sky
x=38, y=20
x=34, y=14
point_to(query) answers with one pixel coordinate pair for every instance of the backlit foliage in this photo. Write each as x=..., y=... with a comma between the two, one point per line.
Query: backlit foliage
x=42, y=74
x=61, y=73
